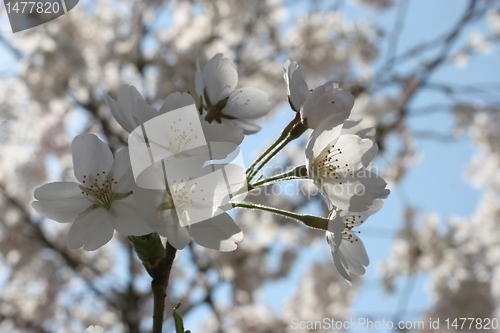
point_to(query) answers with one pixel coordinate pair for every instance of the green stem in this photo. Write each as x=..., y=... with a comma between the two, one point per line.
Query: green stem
x=311, y=221
x=283, y=135
x=293, y=134
x=299, y=172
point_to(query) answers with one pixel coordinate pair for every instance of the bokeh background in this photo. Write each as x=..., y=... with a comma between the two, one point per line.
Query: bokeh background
x=424, y=73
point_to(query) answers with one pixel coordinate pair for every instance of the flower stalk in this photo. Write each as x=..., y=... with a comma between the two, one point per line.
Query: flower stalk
x=311, y=221
x=292, y=131
x=299, y=172
x=158, y=263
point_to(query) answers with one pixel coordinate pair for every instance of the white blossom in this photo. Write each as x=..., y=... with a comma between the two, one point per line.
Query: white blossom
x=216, y=84
x=348, y=251
x=324, y=101
x=101, y=202
x=296, y=86
x=339, y=166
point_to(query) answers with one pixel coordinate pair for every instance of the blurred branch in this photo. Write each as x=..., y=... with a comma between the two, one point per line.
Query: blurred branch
x=434, y=136
x=419, y=79
x=397, y=30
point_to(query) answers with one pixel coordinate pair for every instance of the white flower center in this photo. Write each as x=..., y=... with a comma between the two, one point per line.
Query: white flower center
x=184, y=197
x=182, y=137
x=326, y=164
x=100, y=190
x=349, y=223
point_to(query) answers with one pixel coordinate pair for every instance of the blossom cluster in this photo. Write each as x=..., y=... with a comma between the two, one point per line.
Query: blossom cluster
x=107, y=196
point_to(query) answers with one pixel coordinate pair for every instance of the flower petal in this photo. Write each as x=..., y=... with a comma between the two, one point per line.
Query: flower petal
x=176, y=235
x=219, y=77
x=247, y=104
x=218, y=233
x=123, y=118
x=324, y=135
x=175, y=101
x=130, y=111
x=325, y=101
x=336, y=257
x=128, y=219
x=355, y=219
x=355, y=193
x=354, y=251
x=296, y=86
x=222, y=133
x=92, y=229
x=121, y=167
x=61, y=201
x=137, y=110
x=248, y=128
x=90, y=157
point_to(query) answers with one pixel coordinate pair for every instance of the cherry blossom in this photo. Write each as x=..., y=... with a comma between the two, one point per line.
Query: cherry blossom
x=100, y=203
x=216, y=83
x=339, y=165
x=348, y=251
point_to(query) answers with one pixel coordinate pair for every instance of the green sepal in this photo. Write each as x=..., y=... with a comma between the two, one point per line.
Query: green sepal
x=166, y=205
x=120, y=196
x=149, y=249
x=199, y=105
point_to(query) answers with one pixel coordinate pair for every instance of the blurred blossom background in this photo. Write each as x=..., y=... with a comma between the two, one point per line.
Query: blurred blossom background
x=425, y=74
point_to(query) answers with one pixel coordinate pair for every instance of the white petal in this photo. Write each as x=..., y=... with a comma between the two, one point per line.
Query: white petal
x=61, y=201
x=176, y=235
x=128, y=219
x=122, y=117
x=345, y=97
x=143, y=112
x=175, y=101
x=326, y=134
x=356, y=193
x=218, y=233
x=367, y=133
x=248, y=128
x=90, y=157
x=350, y=123
x=121, y=166
x=247, y=104
x=296, y=86
x=336, y=257
x=91, y=230
x=350, y=153
x=220, y=78
x=354, y=251
x=149, y=199
x=131, y=110
x=347, y=195
x=374, y=184
x=357, y=218
x=131, y=102
x=325, y=101
x=222, y=133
